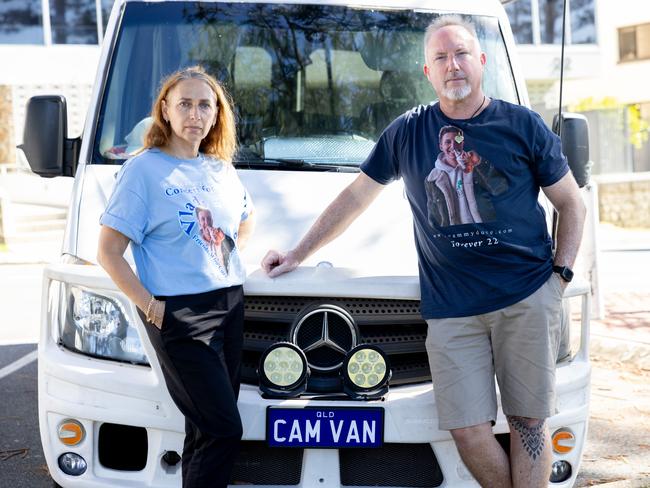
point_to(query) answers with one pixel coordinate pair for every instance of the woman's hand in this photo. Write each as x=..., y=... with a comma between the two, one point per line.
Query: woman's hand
x=110, y=255
x=158, y=313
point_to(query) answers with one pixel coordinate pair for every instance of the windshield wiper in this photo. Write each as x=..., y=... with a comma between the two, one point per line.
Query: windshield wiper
x=289, y=164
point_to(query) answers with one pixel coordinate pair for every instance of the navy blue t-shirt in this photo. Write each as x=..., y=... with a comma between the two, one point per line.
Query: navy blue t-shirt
x=473, y=187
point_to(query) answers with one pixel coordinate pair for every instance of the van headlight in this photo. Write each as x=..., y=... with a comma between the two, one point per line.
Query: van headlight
x=97, y=325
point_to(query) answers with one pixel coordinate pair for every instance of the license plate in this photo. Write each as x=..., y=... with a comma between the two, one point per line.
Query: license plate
x=325, y=427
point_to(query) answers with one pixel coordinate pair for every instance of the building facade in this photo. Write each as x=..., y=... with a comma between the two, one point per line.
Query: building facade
x=607, y=63
x=46, y=47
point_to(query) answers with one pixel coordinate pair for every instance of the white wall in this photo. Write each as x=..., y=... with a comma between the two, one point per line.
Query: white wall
x=57, y=64
x=543, y=62
x=594, y=70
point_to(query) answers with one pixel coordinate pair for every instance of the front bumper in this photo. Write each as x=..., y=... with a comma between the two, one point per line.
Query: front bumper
x=97, y=392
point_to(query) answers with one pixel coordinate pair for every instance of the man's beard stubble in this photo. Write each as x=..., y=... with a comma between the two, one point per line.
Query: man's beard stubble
x=457, y=93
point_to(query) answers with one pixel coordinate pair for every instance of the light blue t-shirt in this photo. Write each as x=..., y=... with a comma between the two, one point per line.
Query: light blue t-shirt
x=182, y=217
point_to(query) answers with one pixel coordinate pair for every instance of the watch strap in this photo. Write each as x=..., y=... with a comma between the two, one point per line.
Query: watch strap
x=565, y=272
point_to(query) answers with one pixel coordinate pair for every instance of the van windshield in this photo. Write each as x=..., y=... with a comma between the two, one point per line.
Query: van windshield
x=313, y=85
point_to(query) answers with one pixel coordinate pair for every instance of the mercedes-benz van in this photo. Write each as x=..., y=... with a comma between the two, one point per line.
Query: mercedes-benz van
x=314, y=84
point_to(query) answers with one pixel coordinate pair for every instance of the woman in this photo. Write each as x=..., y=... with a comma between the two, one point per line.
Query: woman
x=191, y=304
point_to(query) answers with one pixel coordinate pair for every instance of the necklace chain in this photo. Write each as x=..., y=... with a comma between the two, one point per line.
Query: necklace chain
x=479, y=108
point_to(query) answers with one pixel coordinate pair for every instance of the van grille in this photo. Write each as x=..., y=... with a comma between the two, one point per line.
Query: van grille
x=394, y=325
x=258, y=464
x=393, y=465
x=396, y=465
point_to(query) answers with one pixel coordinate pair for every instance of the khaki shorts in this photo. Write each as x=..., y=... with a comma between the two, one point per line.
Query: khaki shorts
x=518, y=343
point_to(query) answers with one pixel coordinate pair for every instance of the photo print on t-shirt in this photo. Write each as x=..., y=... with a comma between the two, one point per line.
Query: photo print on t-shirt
x=198, y=224
x=461, y=184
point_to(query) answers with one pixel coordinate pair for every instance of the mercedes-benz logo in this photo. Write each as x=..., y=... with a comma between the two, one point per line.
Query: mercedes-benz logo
x=325, y=333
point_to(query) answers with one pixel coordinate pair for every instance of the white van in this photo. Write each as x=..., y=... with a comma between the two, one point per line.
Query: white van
x=314, y=85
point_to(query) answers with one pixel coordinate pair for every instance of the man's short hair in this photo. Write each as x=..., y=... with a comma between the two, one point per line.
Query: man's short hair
x=445, y=21
x=446, y=129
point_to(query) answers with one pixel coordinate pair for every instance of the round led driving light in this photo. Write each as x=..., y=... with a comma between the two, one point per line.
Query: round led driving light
x=366, y=372
x=366, y=367
x=281, y=365
x=283, y=370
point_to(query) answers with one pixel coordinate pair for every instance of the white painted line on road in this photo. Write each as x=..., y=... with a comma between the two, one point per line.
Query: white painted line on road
x=19, y=363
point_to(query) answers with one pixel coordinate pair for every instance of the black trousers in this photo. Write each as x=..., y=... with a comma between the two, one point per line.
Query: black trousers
x=199, y=349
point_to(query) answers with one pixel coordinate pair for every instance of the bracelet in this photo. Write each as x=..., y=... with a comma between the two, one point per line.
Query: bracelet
x=148, y=312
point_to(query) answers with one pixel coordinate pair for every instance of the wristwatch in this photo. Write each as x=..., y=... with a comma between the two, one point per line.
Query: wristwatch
x=564, y=271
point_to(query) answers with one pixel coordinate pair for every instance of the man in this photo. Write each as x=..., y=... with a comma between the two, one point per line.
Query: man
x=461, y=184
x=488, y=290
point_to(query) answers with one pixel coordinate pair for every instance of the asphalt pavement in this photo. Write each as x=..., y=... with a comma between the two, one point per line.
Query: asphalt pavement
x=22, y=464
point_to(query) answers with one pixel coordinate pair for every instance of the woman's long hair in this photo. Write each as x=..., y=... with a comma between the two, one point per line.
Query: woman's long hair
x=221, y=140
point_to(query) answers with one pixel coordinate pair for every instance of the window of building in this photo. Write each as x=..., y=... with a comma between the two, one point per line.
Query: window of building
x=540, y=21
x=21, y=22
x=73, y=21
x=521, y=21
x=550, y=21
x=634, y=42
x=583, y=22
x=107, y=6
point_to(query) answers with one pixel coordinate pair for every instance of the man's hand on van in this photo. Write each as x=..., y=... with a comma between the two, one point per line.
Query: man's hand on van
x=276, y=263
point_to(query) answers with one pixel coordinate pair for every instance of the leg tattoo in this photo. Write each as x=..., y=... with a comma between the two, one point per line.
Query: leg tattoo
x=531, y=433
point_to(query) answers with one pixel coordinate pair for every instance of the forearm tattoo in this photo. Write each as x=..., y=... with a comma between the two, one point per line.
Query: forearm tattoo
x=532, y=436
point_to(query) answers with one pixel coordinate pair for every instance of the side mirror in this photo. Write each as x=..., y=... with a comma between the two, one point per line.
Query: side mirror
x=573, y=130
x=45, y=143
